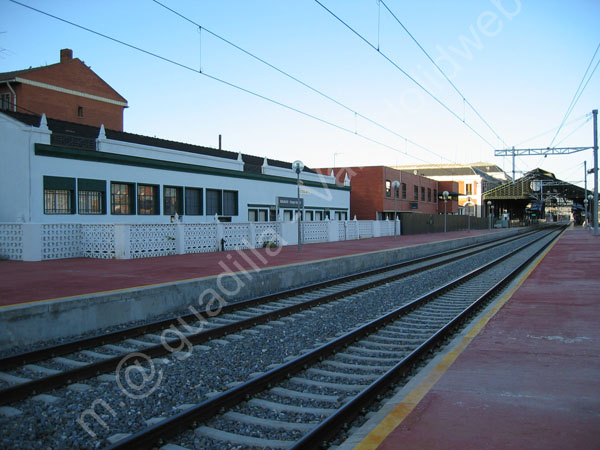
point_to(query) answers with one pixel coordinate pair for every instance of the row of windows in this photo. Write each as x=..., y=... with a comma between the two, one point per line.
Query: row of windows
x=388, y=192
x=269, y=215
x=315, y=216
x=131, y=198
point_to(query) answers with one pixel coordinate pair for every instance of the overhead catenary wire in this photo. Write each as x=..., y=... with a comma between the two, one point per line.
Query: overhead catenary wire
x=578, y=93
x=551, y=130
x=214, y=78
x=574, y=131
x=587, y=82
x=297, y=80
x=405, y=73
x=465, y=101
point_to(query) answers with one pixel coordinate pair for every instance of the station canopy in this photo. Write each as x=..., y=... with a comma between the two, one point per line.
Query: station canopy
x=533, y=191
x=535, y=183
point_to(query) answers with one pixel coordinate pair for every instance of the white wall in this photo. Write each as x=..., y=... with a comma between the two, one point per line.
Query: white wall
x=16, y=189
x=21, y=195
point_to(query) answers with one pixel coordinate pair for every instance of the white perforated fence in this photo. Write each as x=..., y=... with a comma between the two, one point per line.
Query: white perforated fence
x=352, y=230
x=315, y=232
x=200, y=238
x=11, y=242
x=236, y=236
x=267, y=233
x=152, y=240
x=387, y=227
x=98, y=241
x=365, y=229
x=341, y=231
x=35, y=242
x=61, y=241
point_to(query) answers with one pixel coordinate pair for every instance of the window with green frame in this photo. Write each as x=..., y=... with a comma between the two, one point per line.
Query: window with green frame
x=230, y=203
x=91, y=196
x=213, y=202
x=122, y=198
x=59, y=195
x=193, y=202
x=147, y=200
x=173, y=200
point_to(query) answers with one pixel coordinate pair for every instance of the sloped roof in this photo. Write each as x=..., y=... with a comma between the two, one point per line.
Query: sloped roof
x=526, y=188
x=107, y=89
x=432, y=170
x=90, y=133
x=7, y=76
x=485, y=176
x=444, y=171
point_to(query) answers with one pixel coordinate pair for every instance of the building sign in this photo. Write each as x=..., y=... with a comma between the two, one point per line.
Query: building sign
x=289, y=202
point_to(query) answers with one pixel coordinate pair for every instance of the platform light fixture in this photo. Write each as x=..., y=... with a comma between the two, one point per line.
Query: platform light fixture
x=489, y=203
x=298, y=166
x=445, y=194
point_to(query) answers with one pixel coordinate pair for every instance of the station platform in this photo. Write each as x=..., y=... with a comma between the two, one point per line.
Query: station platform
x=524, y=376
x=25, y=282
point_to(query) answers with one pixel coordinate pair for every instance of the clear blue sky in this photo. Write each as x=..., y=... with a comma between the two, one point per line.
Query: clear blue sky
x=518, y=62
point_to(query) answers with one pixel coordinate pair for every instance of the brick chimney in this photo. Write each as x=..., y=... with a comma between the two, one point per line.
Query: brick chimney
x=66, y=54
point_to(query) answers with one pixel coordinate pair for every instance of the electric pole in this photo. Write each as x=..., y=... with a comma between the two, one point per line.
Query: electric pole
x=595, y=216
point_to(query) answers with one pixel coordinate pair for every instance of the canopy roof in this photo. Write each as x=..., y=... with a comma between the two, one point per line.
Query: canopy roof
x=532, y=183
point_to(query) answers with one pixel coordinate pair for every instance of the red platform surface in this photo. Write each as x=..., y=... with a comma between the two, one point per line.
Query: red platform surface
x=22, y=282
x=531, y=378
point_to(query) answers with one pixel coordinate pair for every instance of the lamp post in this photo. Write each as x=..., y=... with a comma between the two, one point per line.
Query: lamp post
x=445, y=194
x=298, y=166
x=469, y=202
x=489, y=203
x=590, y=217
x=585, y=203
x=396, y=186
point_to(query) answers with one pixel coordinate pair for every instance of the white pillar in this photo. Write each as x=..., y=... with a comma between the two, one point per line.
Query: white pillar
x=252, y=234
x=32, y=242
x=122, y=241
x=333, y=232
x=180, y=239
x=289, y=232
x=220, y=234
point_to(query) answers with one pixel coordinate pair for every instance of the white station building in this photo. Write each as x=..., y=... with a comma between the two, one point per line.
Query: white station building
x=55, y=171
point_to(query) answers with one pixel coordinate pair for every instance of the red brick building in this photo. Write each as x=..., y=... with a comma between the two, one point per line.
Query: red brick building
x=374, y=197
x=452, y=204
x=68, y=90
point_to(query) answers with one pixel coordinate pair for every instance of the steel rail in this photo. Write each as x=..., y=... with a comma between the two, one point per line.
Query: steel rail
x=44, y=384
x=157, y=433
x=327, y=429
x=34, y=356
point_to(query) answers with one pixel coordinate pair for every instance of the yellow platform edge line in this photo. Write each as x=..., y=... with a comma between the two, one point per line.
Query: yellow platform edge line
x=412, y=399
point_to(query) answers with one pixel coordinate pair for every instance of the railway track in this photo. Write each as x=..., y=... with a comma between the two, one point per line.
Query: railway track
x=305, y=402
x=49, y=368
x=357, y=296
